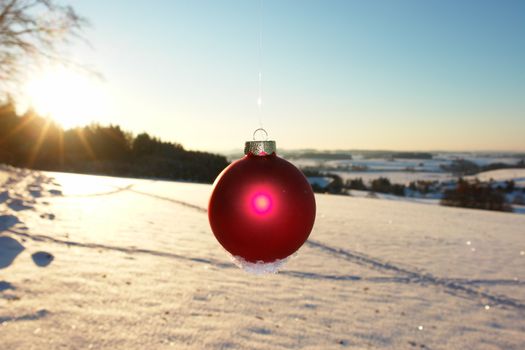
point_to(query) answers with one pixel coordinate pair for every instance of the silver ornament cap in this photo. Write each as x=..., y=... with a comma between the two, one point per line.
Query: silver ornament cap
x=260, y=147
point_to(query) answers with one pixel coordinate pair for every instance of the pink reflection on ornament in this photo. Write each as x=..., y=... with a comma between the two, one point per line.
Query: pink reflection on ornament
x=261, y=203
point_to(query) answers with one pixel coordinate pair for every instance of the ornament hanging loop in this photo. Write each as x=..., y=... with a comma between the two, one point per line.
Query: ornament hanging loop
x=261, y=147
x=261, y=132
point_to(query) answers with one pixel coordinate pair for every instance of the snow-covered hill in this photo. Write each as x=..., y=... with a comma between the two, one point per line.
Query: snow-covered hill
x=112, y=263
x=516, y=175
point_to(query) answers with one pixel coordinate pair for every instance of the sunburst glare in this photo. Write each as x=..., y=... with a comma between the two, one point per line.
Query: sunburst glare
x=68, y=97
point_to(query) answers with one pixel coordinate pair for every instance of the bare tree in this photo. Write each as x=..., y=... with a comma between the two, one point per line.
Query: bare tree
x=32, y=32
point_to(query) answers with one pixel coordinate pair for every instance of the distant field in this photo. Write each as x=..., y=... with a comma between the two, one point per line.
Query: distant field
x=517, y=175
x=403, y=170
x=398, y=177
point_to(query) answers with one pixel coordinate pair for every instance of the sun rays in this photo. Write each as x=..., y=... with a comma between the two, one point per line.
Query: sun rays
x=68, y=97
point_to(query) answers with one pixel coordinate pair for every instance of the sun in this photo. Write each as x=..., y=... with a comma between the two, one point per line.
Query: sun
x=68, y=97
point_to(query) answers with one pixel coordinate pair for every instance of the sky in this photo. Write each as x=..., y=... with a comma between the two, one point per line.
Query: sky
x=400, y=75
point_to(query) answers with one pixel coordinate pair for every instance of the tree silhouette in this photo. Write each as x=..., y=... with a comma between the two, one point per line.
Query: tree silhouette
x=32, y=32
x=35, y=142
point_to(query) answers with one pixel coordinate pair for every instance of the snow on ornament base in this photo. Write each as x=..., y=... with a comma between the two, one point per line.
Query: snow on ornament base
x=262, y=209
x=260, y=267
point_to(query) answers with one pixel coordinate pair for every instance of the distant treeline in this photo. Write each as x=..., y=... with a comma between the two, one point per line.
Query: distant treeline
x=463, y=167
x=34, y=142
x=397, y=155
x=338, y=186
x=319, y=155
x=347, y=155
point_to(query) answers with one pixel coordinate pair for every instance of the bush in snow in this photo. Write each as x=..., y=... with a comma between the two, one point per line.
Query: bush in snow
x=475, y=194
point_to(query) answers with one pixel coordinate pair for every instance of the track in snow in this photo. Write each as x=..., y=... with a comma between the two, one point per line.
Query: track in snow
x=458, y=287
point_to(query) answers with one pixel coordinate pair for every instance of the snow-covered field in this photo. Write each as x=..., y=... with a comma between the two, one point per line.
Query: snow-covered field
x=397, y=177
x=112, y=263
x=516, y=175
x=404, y=171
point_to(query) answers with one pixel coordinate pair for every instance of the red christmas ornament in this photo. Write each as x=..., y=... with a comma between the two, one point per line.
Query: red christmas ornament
x=262, y=207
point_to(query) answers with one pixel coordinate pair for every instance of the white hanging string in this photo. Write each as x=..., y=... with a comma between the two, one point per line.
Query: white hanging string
x=259, y=98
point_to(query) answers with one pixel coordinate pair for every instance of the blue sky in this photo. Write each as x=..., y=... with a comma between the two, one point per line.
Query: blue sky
x=404, y=75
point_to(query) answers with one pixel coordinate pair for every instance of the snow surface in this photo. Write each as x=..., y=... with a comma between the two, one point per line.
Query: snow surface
x=517, y=175
x=404, y=171
x=376, y=164
x=113, y=263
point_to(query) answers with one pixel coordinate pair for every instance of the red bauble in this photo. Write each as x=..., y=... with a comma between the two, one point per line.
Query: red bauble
x=262, y=208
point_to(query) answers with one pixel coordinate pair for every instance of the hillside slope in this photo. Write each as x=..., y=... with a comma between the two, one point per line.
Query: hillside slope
x=517, y=175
